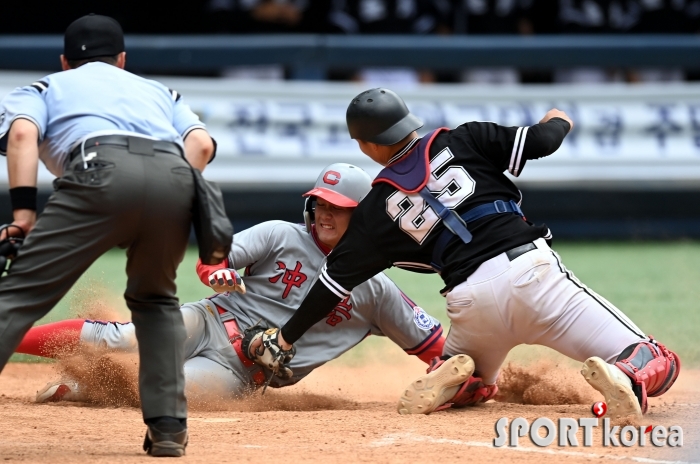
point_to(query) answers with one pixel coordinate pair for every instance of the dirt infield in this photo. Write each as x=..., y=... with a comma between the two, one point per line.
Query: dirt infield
x=341, y=413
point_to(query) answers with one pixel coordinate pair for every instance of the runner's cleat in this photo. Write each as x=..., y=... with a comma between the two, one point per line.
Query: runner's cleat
x=432, y=390
x=59, y=390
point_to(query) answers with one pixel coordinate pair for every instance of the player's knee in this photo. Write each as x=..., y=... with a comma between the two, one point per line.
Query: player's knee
x=114, y=336
x=125, y=337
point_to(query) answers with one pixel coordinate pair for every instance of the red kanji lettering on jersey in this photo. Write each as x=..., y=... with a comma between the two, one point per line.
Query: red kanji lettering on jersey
x=342, y=309
x=290, y=277
x=293, y=279
x=331, y=177
x=280, y=267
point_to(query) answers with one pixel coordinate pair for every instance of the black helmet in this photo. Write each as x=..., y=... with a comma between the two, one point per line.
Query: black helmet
x=380, y=116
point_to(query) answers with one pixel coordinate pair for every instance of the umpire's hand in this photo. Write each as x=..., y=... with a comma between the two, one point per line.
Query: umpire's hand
x=24, y=219
x=226, y=280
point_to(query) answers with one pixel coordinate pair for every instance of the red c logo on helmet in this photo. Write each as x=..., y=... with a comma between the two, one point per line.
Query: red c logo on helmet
x=331, y=177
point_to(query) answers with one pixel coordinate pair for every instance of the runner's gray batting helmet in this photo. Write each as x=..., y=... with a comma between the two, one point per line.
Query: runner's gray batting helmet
x=380, y=116
x=340, y=184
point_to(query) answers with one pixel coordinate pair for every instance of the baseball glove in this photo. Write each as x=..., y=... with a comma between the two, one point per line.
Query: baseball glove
x=12, y=238
x=262, y=346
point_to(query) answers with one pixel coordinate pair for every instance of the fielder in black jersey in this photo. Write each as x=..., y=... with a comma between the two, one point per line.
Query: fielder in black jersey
x=467, y=165
x=444, y=204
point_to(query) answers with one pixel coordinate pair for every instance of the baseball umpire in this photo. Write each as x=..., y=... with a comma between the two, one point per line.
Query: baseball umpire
x=117, y=144
x=443, y=203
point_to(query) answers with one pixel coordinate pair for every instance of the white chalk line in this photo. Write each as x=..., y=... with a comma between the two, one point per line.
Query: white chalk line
x=395, y=438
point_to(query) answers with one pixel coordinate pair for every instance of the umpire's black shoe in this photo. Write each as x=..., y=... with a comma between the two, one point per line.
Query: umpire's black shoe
x=166, y=436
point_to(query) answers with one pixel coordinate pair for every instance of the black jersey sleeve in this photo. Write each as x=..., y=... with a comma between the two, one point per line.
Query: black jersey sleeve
x=316, y=305
x=354, y=260
x=510, y=147
x=357, y=257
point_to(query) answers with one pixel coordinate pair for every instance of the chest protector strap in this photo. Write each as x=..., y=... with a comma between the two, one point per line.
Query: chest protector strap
x=454, y=224
x=411, y=175
x=478, y=212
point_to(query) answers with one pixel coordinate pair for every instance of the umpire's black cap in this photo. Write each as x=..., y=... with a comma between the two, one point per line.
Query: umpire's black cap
x=380, y=116
x=93, y=35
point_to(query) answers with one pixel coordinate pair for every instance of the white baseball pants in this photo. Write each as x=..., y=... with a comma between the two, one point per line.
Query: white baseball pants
x=534, y=300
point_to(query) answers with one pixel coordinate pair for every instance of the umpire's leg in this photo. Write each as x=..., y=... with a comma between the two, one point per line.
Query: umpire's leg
x=70, y=234
x=153, y=258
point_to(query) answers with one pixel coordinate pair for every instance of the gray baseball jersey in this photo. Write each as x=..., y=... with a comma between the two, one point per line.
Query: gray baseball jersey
x=281, y=262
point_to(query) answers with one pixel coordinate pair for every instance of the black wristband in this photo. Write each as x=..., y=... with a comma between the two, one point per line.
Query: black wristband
x=23, y=198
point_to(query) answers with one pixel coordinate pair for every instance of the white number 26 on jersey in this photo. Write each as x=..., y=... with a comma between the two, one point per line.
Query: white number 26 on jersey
x=451, y=186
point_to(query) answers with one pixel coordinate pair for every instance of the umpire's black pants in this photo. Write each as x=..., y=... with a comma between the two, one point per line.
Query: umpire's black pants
x=134, y=201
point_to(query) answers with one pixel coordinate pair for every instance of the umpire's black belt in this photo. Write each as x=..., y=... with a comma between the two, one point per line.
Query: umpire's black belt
x=136, y=145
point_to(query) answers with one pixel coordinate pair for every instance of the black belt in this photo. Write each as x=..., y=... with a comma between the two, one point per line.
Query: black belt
x=520, y=250
x=137, y=145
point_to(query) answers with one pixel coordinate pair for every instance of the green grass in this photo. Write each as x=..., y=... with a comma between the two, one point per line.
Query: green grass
x=105, y=282
x=656, y=284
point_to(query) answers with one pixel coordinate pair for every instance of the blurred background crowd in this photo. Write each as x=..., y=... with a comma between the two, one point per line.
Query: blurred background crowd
x=435, y=17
